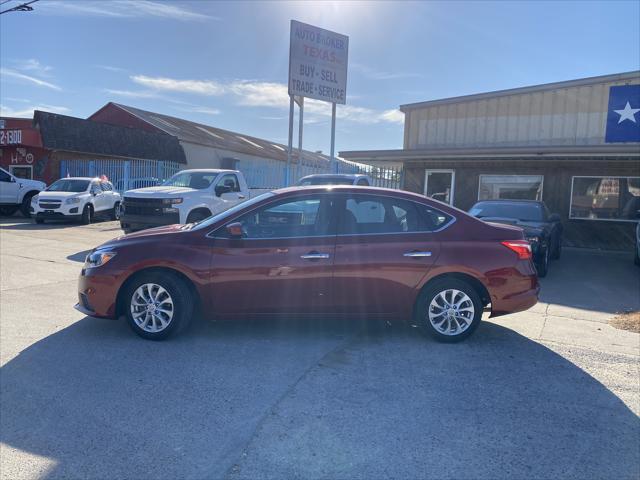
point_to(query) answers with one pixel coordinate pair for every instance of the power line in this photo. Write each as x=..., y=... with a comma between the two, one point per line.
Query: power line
x=23, y=7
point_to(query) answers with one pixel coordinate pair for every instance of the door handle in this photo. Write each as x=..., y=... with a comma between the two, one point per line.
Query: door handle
x=416, y=254
x=241, y=196
x=315, y=256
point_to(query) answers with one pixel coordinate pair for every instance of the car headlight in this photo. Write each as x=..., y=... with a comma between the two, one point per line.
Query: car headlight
x=71, y=200
x=172, y=201
x=98, y=258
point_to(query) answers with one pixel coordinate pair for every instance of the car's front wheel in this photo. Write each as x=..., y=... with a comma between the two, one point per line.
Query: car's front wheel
x=542, y=267
x=449, y=310
x=158, y=305
x=87, y=215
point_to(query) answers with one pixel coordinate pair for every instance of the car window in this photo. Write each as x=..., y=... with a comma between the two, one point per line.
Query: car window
x=368, y=214
x=302, y=217
x=195, y=180
x=95, y=188
x=523, y=211
x=106, y=187
x=4, y=176
x=230, y=180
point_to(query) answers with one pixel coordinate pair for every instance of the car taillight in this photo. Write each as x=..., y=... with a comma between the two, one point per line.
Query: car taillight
x=521, y=247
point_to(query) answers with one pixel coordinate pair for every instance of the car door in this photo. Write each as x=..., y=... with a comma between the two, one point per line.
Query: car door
x=281, y=264
x=227, y=189
x=97, y=196
x=384, y=248
x=8, y=188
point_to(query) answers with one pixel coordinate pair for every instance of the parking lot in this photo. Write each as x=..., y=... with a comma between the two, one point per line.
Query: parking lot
x=552, y=392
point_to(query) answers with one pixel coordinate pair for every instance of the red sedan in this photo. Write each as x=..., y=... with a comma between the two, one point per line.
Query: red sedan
x=329, y=250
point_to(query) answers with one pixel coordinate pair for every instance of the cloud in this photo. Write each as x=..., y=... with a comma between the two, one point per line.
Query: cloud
x=375, y=74
x=110, y=68
x=201, y=87
x=123, y=9
x=6, y=111
x=33, y=65
x=252, y=93
x=28, y=78
x=131, y=93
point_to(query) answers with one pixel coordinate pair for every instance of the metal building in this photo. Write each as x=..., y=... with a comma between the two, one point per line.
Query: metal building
x=573, y=144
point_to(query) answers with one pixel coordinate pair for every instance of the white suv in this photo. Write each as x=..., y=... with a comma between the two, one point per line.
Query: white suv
x=16, y=193
x=80, y=198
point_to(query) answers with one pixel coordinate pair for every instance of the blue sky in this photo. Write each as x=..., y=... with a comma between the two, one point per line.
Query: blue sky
x=225, y=64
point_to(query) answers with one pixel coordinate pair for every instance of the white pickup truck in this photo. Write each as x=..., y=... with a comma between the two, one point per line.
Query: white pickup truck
x=189, y=196
x=16, y=193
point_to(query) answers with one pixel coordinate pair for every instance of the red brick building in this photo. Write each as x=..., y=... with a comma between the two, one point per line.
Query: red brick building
x=22, y=153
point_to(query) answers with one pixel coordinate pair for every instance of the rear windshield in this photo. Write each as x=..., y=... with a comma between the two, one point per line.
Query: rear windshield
x=68, y=185
x=305, y=182
x=531, y=212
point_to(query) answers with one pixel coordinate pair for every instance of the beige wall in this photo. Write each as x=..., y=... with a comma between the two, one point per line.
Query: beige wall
x=574, y=115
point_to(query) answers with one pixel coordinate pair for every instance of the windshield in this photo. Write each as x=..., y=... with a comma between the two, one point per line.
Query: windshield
x=195, y=180
x=305, y=182
x=227, y=213
x=68, y=185
x=531, y=212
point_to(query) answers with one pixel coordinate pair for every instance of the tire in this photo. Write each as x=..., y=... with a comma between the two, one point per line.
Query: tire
x=176, y=293
x=543, y=267
x=436, y=322
x=115, y=211
x=197, y=216
x=39, y=221
x=26, y=205
x=557, y=249
x=87, y=215
x=636, y=258
x=8, y=210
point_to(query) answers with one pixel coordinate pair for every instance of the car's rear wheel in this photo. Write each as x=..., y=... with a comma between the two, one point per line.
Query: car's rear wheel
x=87, y=215
x=25, y=208
x=158, y=305
x=449, y=310
x=557, y=248
x=115, y=212
x=542, y=267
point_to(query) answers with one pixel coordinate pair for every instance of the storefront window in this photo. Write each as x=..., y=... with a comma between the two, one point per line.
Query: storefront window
x=605, y=198
x=510, y=187
x=22, y=171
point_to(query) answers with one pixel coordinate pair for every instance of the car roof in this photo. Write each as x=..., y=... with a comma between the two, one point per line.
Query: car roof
x=334, y=175
x=80, y=178
x=208, y=170
x=504, y=200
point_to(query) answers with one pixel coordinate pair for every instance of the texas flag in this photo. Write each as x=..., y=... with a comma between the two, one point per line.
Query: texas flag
x=623, y=117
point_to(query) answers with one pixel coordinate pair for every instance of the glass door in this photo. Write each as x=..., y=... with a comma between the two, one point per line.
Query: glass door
x=439, y=185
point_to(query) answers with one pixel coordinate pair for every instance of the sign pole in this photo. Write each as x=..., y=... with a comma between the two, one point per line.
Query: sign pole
x=333, y=138
x=300, y=127
x=286, y=172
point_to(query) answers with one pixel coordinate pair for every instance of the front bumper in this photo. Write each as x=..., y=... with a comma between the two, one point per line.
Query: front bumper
x=63, y=212
x=97, y=294
x=140, y=222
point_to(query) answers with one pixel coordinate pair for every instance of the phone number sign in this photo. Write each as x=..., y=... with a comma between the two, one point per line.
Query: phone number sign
x=318, y=63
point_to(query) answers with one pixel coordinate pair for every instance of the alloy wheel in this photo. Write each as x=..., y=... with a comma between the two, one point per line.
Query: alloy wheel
x=451, y=312
x=152, y=307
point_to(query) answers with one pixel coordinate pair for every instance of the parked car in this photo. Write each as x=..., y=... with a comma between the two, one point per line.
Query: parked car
x=189, y=196
x=542, y=229
x=315, y=250
x=335, y=179
x=77, y=198
x=16, y=193
x=636, y=259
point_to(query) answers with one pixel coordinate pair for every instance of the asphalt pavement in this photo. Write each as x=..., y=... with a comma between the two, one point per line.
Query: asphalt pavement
x=552, y=392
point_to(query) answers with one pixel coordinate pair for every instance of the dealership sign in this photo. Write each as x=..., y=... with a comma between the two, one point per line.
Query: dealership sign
x=623, y=116
x=10, y=137
x=318, y=63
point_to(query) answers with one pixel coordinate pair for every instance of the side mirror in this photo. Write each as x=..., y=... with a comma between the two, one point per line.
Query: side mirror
x=234, y=230
x=12, y=179
x=220, y=189
x=554, y=217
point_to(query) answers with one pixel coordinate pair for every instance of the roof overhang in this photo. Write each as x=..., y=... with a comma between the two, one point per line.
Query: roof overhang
x=364, y=156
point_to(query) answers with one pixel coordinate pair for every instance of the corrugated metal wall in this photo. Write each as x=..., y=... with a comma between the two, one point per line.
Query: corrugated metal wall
x=563, y=116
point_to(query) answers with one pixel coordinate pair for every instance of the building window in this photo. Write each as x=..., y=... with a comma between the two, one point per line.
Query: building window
x=510, y=187
x=22, y=171
x=605, y=198
x=439, y=185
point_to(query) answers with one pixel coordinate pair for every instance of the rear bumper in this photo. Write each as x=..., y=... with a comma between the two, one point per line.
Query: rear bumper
x=516, y=302
x=140, y=222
